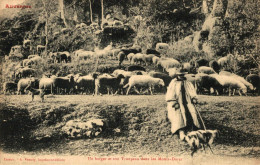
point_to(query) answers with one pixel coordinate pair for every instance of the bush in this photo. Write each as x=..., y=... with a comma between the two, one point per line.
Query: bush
x=184, y=51
x=14, y=121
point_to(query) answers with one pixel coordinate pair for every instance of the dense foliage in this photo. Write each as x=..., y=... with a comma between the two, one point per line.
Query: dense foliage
x=146, y=22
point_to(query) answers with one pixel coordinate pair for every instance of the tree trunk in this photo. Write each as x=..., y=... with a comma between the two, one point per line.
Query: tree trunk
x=61, y=8
x=75, y=15
x=90, y=11
x=219, y=8
x=102, y=12
x=194, y=3
x=205, y=7
x=46, y=25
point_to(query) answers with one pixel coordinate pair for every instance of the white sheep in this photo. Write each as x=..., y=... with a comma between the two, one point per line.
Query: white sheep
x=155, y=60
x=246, y=83
x=224, y=61
x=206, y=70
x=118, y=71
x=138, y=58
x=167, y=63
x=84, y=55
x=162, y=47
x=103, y=53
x=123, y=72
x=173, y=72
x=231, y=83
x=130, y=56
x=143, y=81
x=148, y=58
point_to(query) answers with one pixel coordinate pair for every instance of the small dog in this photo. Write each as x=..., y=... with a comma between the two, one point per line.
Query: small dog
x=35, y=92
x=197, y=139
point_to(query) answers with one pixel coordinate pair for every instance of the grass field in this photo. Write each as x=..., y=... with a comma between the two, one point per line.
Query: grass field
x=143, y=124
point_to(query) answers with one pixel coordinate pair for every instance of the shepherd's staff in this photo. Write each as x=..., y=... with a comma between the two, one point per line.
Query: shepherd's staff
x=203, y=126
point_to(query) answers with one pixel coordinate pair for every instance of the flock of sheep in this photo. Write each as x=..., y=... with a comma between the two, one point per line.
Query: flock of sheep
x=207, y=76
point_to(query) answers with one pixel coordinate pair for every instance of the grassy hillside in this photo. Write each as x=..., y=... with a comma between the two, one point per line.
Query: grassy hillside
x=141, y=120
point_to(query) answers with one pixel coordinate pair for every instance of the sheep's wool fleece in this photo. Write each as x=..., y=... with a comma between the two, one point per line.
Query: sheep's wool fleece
x=178, y=117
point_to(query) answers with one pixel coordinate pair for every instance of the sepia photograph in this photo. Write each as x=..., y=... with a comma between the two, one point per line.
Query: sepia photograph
x=130, y=82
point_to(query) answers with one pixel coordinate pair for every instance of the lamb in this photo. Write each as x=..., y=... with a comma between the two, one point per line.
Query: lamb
x=206, y=70
x=143, y=80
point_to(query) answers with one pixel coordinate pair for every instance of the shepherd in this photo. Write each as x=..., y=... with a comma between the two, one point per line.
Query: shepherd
x=181, y=97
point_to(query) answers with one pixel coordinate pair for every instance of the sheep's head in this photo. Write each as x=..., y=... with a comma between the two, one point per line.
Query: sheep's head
x=251, y=87
x=161, y=83
x=244, y=91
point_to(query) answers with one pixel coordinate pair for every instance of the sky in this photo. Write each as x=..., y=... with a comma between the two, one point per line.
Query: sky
x=9, y=2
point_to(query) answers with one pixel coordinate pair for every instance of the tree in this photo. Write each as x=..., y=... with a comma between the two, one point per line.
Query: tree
x=90, y=11
x=102, y=12
x=46, y=12
x=75, y=15
x=61, y=10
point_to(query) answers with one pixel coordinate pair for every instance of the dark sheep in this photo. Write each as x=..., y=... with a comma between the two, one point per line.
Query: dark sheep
x=202, y=62
x=86, y=84
x=9, y=87
x=153, y=51
x=199, y=63
x=131, y=50
x=254, y=79
x=166, y=78
x=25, y=72
x=121, y=58
x=214, y=65
x=207, y=82
x=63, y=83
x=106, y=81
x=135, y=67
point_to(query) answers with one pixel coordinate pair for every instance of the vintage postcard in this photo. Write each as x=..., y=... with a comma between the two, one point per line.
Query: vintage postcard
x=129, y=82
